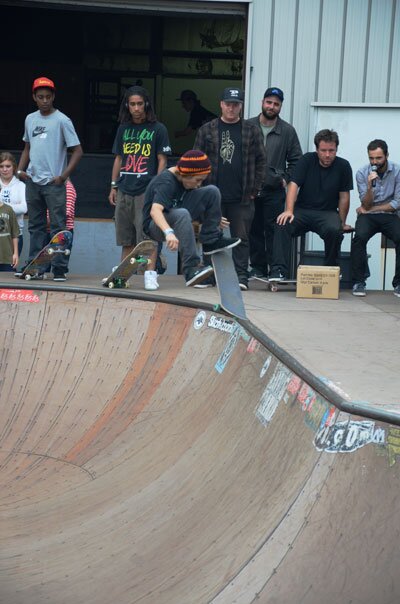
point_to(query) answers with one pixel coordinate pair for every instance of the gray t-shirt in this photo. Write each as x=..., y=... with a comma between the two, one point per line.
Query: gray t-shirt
x=49, y=137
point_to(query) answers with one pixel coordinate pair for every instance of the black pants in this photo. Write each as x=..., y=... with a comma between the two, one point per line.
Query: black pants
x=240, y=217
x=266, y=210
x=367, y=225
x=326, y=224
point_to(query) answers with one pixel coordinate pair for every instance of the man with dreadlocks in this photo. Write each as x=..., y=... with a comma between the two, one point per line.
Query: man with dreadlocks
x=140, y=147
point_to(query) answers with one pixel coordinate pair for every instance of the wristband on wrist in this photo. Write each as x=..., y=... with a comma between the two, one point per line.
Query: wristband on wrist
x=114, y=184
x=169, y=232
x=19, y=172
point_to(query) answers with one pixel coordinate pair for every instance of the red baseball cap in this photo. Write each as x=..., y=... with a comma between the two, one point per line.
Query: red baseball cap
x=43, y=82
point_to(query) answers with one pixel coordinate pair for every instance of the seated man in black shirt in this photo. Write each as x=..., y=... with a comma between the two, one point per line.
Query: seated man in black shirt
x=317, y=200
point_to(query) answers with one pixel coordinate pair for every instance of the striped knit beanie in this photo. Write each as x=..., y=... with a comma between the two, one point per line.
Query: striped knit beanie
x=194, y=163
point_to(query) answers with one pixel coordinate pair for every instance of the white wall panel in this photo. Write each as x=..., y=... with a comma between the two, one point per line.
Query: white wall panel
x=329, y=67
x=260, y=55
x=307, y=59
x=354, y=59
x=394, y=73
x=377, y=72
x=325, y=51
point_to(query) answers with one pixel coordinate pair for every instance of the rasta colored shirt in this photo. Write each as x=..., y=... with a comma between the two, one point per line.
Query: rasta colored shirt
x=139, y=145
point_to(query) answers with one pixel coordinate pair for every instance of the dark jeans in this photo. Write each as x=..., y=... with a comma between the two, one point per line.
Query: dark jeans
x=367, y=225
x=266, y=210
x=202, y=204
x=39, y=198
x=325, y=223
x=240, y=217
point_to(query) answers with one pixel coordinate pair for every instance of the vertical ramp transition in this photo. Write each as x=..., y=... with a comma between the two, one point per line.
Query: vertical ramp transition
x=159, y=454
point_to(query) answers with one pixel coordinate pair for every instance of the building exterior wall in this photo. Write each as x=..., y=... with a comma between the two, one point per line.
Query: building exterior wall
x=342, y=51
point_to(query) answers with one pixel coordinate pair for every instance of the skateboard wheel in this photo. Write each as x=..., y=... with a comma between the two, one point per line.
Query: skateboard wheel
x=111, y=285
x=50, y=251
x=274, y=288
x=28, y=277
x=67, y=252
x=217, y=307
x=132, y=260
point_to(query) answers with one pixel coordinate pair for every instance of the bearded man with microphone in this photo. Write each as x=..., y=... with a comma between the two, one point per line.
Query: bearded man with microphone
x=378, y=186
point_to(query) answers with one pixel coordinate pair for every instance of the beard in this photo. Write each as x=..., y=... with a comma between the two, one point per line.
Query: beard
x=269, y=115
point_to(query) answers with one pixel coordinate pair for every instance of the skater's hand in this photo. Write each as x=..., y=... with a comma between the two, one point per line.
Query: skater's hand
x=15, y=259
x=284, y=217
x=172, y=242
x=112, y=198
x=224, y=222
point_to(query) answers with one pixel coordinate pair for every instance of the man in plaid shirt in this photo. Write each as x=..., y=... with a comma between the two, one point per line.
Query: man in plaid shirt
x=235, y=148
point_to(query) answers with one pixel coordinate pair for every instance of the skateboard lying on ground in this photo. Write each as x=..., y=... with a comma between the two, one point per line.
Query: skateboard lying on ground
x=139, y=259
x=228, y=284
x=275, y=286
x=58, y=244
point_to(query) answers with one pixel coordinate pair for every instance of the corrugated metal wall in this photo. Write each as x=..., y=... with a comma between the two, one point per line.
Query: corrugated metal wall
x=345, y=51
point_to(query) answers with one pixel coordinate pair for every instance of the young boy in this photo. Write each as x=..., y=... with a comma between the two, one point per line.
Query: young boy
x=141, y=147
x=48, y=135
x=9, y=231
x=173, y=200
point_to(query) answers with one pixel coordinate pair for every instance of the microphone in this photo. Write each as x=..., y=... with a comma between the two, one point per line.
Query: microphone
x=374, y=169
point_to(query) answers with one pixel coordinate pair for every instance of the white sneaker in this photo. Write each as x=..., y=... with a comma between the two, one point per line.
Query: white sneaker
x=150, y=280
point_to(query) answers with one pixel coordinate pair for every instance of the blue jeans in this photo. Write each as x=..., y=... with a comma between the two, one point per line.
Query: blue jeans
x=41, y=198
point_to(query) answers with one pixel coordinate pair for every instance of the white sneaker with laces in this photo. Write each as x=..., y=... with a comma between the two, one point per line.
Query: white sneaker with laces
x=150, y=280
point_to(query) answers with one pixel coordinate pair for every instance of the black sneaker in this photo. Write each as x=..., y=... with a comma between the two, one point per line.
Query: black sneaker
x=223, y=243
x=59, y=276
x=244, y=284
x=256, y=273
x=276, y=276
x=197, y=274
x=359, y=289
x=209, y=282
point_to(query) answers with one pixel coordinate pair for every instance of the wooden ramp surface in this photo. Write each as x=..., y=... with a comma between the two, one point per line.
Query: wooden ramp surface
x=158, y=454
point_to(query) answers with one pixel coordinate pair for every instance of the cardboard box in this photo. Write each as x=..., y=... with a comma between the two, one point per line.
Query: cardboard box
x=318, y=282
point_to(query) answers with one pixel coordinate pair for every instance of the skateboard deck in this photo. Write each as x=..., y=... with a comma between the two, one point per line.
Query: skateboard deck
x=138, y=260
x=275, y=286
x=228, y=284
x=59, y=244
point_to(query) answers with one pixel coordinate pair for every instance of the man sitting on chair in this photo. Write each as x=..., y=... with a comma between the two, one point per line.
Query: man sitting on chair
x=317, y=200
x=378, y=185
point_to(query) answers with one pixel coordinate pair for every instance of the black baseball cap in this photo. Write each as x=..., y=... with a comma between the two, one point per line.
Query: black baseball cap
x=232, y=95
x=274, y=91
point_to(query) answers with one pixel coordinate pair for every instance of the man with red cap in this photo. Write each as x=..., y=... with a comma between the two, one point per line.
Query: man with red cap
x=173, y=199
x=48, y=135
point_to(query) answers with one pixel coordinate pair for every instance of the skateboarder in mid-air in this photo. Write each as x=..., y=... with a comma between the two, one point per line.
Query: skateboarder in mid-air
x=174, y=199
